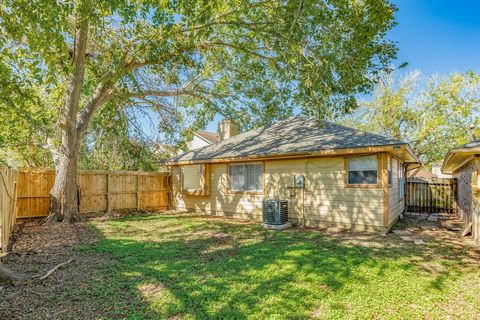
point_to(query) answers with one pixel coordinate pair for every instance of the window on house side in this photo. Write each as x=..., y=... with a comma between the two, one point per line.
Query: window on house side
x=193, y=177
x=389, y=169
x=245, y=177
x=363, y=170
x=401, y=181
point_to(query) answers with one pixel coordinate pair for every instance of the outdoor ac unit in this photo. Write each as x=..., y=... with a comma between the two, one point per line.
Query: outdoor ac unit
x=275, y=212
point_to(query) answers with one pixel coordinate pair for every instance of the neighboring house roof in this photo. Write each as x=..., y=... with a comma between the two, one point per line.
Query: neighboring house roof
x=207, y=136
x=421, y=174
x=458, y=156
x=295, y=136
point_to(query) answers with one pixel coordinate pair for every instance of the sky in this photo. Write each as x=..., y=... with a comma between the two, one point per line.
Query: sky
x=438, y=36
x=434, y=37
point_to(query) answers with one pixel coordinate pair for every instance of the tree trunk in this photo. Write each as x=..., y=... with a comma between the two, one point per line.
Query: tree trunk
x=64, y=199
x=64, y=195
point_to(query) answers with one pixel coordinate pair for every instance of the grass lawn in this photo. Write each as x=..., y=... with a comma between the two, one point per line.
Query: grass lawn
x=178, y=266
x=193, y=267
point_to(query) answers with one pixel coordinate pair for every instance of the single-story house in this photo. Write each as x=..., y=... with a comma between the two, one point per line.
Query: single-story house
x=463, y=163
x=330, y=174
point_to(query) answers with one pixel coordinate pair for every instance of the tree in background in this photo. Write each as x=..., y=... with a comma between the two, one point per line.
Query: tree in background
x=432, y=115
x=63, y=62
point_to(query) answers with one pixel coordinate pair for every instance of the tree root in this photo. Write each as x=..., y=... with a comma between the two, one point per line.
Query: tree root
x=8, y=276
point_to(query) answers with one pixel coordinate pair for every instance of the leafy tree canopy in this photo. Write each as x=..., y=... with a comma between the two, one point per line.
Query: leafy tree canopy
x=180, y=62
x=432, y=114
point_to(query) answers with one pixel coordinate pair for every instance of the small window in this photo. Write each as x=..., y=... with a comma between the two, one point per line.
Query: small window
x=363, y=170
x=245, y=177
x=389, y=169
x=401, y=181
x=194, y=179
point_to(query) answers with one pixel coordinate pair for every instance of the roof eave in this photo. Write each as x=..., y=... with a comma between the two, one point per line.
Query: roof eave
x=328, y=152
x=449, y=168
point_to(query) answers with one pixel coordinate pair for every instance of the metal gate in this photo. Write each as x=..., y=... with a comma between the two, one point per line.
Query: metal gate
x=431, y=195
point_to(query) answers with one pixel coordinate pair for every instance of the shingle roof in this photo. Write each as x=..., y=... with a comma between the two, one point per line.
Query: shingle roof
x=209, y=136
x=469, y=145
x=298, y=134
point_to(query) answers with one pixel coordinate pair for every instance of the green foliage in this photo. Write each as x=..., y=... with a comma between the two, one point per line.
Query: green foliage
x=194, y=267
x=433, y=118
x=186, y=61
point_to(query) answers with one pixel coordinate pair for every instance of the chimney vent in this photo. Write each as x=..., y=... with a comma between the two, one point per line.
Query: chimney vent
x=227, y=129
x=472, y=130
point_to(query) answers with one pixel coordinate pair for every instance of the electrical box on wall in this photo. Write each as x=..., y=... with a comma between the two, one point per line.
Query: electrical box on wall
x=299, y=181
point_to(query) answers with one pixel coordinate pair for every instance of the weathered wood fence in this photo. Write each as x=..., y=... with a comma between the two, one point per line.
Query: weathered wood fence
x=432, y=195
x=98, y=191
x=8, y=179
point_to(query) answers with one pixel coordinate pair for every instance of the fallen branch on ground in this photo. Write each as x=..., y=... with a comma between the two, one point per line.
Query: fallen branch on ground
x=8, y=276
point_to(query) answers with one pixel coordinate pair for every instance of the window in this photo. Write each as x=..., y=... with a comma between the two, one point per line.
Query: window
x=401, y=182
x=245, y=177
x=194, y=179
x=362, y=170
x=389, y=169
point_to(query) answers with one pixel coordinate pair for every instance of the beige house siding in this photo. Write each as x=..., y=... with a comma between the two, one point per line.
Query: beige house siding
x=325, y=201
x=464, y=188
x=468, y=195
x=396, y=205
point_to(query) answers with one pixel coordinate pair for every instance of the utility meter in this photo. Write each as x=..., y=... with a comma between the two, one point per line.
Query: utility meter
x=299, y=181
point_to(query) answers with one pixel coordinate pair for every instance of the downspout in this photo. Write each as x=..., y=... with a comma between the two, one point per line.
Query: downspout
x=303, y=193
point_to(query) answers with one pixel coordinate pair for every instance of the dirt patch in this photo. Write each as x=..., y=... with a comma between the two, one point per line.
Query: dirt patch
x=36, y=249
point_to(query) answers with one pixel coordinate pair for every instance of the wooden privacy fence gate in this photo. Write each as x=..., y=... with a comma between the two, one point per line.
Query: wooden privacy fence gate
x=433, y=195
x=8, y=180
x=98, y=190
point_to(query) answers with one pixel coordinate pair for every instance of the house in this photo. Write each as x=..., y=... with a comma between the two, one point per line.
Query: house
x=202, y=138
x=463, y=162
x=351, y=179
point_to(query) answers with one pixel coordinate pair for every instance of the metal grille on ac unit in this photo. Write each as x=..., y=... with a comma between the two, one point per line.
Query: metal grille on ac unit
x=275, y=212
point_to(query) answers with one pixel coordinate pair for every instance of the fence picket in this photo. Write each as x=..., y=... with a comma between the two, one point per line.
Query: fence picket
x=98, y=191
x=433, y=195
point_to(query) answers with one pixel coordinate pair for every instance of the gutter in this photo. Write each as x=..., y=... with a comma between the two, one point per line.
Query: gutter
x=327, y=152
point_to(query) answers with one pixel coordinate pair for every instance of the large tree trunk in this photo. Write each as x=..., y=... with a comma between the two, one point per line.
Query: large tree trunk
x=64, y=199
x=64, y=196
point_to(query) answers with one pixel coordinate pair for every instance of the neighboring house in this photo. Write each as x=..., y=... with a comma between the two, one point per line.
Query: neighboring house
x=437, y=171
x=421, y=174
x=201, y=139
x=463, y=163
x=352, y=179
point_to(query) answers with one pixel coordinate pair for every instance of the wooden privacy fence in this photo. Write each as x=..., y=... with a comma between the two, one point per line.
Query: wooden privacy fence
x=98, y=191
x=432, y=195
x=7, y=205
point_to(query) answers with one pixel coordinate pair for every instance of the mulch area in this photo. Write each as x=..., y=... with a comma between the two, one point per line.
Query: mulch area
x=36, y=249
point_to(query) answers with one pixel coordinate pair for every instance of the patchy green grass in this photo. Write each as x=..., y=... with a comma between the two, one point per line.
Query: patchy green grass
x=194, y=267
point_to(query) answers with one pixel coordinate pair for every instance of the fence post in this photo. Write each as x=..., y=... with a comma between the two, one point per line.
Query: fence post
x=136, y=189
x=108, y=192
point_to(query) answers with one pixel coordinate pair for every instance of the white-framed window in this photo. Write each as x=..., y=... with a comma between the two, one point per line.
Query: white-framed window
x=245, y=177
x=362, y=170
x=194, y=179
x=389, y=170
x=401, y=181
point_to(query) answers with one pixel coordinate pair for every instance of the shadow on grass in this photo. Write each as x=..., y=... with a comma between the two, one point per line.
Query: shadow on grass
x=183, y=265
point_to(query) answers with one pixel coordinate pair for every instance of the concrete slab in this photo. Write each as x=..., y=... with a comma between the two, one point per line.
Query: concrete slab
x=277, y=227
x=406, y=238
x=401, y=232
